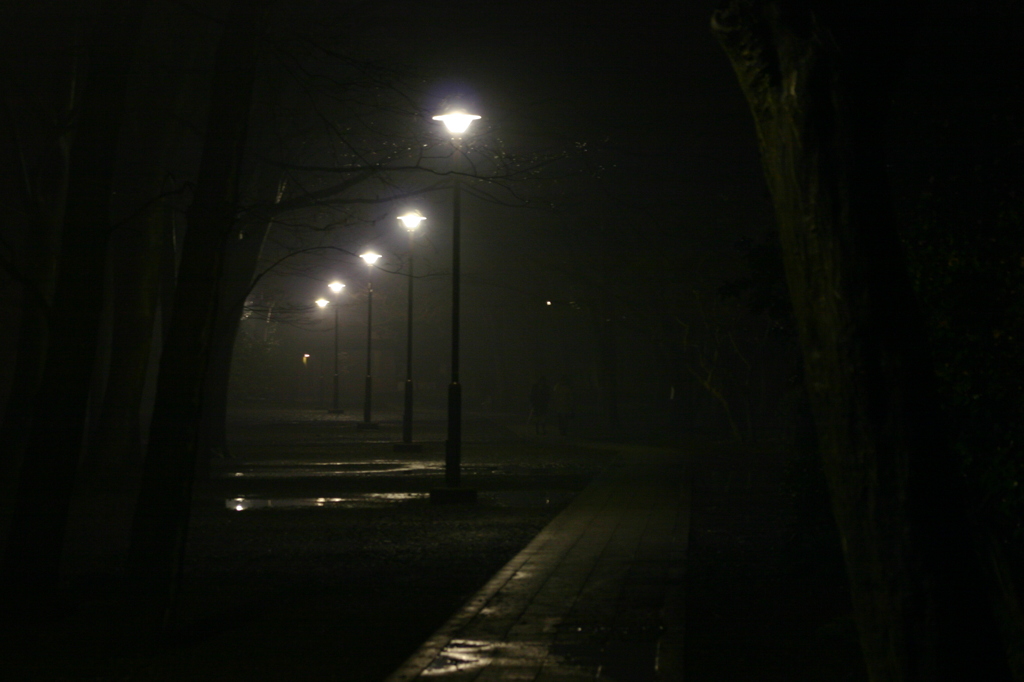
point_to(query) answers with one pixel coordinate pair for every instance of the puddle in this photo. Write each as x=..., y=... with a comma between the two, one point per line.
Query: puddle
x=463, y=658
x=460, y=655
x=353, y=501
x=494, y=498
x=328, y=469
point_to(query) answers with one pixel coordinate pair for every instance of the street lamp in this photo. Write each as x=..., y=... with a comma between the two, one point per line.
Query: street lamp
x=457, y=122
x=411, y=222
x=335, y=287
x=370, y=259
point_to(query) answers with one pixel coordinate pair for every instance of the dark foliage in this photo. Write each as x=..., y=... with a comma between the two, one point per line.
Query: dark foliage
x=968, y=269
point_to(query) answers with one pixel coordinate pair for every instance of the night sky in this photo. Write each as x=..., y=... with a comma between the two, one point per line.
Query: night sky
x=672, y=191
x=649, y=94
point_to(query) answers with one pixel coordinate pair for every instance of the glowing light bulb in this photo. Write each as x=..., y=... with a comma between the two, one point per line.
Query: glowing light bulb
x=457, y=122
x=412, y=220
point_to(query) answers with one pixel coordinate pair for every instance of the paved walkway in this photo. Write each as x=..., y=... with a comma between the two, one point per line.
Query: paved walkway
x=597, y=595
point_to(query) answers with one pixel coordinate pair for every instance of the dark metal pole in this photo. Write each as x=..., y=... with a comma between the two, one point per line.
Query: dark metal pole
x=369, y=352
x=453, y=446
x=335, y=403
x=407, y=412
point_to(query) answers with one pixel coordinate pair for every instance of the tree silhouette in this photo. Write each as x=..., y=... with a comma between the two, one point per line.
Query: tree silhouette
x=817, y=80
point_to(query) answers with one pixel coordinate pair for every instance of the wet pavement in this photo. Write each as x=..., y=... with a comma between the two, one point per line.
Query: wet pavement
x=315, y=553
x=595, y=596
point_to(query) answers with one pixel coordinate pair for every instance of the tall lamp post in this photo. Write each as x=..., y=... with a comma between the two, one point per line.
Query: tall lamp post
x=370, y=259
x=410, y=221
x=336, y=288
x=457, y=123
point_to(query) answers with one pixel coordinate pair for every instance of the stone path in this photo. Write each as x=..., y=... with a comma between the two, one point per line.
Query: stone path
x=597, y=595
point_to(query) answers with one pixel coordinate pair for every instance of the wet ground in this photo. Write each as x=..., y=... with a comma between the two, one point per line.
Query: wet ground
x=315, y=554
x=343, y=537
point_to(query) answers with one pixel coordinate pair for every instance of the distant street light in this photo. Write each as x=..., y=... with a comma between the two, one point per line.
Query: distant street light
x=370, y=259
x=411, y=222
x=457, y=122
x=335, y=287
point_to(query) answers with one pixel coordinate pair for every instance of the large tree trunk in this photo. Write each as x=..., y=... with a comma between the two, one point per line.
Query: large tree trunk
x=241, y=260
x=166, y=67
x=55, y=439
x=30, y=356
x=40, y=183
x=116, y=445
x=817, y=87
x=162, y=513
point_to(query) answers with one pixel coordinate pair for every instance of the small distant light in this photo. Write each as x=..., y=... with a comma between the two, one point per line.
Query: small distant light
x=322, y=302
x=370, y=257
x=335, y=287
x=239, y=507
x=305, y=355
x=549, y=302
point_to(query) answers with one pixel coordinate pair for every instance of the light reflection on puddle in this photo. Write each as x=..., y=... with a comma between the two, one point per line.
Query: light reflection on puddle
x=328, y=469
x=496, y=498
x=460, y=655
x=530, y=499
x=356, y=500
x=463, y=658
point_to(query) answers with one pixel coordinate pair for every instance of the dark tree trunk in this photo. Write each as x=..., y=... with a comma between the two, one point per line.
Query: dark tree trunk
x=55, y=439
x=33, y=340
x=42, y=191
x=161, y=518
x=241, y=260
x=817, y=84
x=242, y=256
x=139, y=254
x=116, y=445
